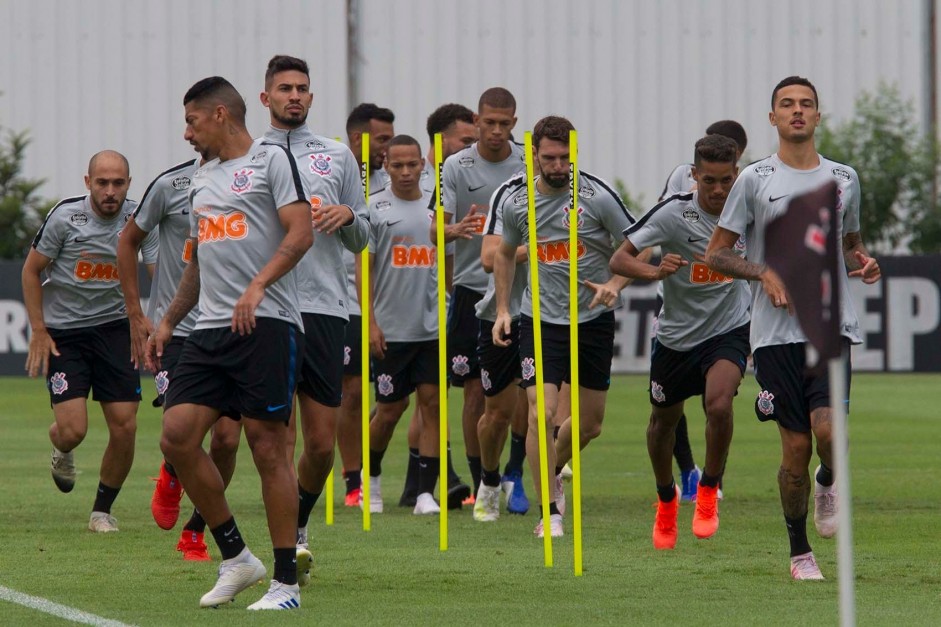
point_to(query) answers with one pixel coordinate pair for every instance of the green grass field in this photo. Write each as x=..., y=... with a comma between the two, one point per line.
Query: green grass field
x=494, y=573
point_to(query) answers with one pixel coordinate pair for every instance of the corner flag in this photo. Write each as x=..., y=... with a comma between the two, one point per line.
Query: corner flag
x=803, y=247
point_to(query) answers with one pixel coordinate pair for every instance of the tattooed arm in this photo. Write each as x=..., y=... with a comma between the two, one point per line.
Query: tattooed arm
x=722, y=258
x=857, y=259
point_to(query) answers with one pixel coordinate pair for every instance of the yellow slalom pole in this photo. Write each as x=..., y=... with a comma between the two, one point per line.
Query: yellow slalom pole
x=328, y=495
x=537, y=336
x=442, y=354
x=573, y=352
x=364, y=340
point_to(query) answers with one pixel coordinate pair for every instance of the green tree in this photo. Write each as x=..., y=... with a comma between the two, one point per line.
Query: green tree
x=897, y=166
x=21, y=208
x=634, y=204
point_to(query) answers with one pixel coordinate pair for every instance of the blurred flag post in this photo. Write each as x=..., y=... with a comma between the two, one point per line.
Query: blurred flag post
x=803, y=246
x=573, y=352
x=442, y=353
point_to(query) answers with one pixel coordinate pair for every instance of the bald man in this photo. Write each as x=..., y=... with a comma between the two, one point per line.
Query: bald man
x=80, y=330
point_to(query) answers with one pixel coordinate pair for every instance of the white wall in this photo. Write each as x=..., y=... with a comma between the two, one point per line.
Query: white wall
x=641, y=79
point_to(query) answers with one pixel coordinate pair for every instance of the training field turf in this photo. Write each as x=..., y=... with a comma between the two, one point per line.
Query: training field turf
x=493, y=573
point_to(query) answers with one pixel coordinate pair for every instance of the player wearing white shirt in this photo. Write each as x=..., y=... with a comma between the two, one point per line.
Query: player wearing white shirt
x=798, y=402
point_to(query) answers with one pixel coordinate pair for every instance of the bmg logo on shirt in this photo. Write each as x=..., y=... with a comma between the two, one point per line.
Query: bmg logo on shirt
x=413, y=256
x=95, y=271
x=701, y=274
x=557, y=252
x=218, y=227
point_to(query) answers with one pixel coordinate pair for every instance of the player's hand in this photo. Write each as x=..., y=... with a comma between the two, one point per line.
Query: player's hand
x=243, y=316
x=41, y=345
x=501, y=330
x=774, y=288
x=141, y=329
x=156, y=342
x=869, y=270
x=377, y=341
x=471, y=224
x=329, y=218
x=606, y=294
x=669, y=264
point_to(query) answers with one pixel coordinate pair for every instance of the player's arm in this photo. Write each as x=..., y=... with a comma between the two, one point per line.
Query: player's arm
x=298, y=237
x=41, y=345
x=354, y=233
x=488, y=249
x=721, y=257
x=449, y=273
x=857, y=259
x=628, y=262
x=377, y=340
x=504, y=267
x=185, y=298
x=129, y=243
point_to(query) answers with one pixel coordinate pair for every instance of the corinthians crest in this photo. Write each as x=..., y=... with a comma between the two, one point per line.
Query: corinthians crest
x=243, y=181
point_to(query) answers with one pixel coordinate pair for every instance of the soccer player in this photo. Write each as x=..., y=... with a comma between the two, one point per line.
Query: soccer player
x=339, y=219
x=798, y=401
x=404, y=323
x=379, y=123
x=80, y=328
x=701, y=346
x=165, y=209
x=602, y=219
x=470, y=177
x=250, y=225
x=681, y=181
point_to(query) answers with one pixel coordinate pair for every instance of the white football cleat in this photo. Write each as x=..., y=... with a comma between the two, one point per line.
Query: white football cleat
x=555, y=527
x=375, y=496
x=804, y=568
x=101, y=522
x=825, y=518
x=235, y=575
x=425, y=504
x=487, y=505
x=279, y=597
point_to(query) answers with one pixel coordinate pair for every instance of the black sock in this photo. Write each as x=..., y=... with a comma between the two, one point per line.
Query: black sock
x=105, y=498
x=428, y=469
x=517, y=454
x=474, y=463
x=169, y=468
x=666, y=493
x=553, y=509
x=411, y=473
x=307, y=500
x=195, y=523
x=285, y=566
x=797, y=534
x=490, y=478
x=558, y=470
x=555, y=432
x=353, y=479
x=681, y=449
x=452, y=475
x=228, y=539
x=825, y=475
x=709, y=481
x=375, y=462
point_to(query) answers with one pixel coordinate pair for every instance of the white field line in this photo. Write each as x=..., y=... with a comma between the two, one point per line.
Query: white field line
x=56, y=609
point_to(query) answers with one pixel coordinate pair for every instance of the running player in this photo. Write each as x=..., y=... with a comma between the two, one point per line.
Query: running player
x=469, y=180
x=341, y=223
x=403, y=318
x=250, y=225
x=504, y=401
x=681, y=181
x=702, y=336
x=80, y=328
x=799, y=402
x=165, y=209
x=378, y=122
x=602, y=219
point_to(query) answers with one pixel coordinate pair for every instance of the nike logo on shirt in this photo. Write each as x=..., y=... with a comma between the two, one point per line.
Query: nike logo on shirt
x=82, y=241
x=185, y=212
x=474, y=189
x=692, y=240
x=773, y=199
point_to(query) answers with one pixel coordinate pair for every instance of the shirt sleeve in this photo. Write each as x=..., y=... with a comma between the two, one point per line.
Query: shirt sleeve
x=512, y=233
x=849, y=197
x=150, y=246
x=284, y=180
x=648, y=232
x=678, y=182
x=51, y=236
x=738, y=211
x=449, y=187
x=354, y=236
x=152, y=207
x=614, y=215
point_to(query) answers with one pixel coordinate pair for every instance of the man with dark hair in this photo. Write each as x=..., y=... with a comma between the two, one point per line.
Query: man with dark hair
x=681, y=181
x=165, y=209
x=378, y=122
x=799, y=401
x=340, y=220
x=403, y=336
x=602, y=219
x=469, y=179
x=250, y=225
x=80, y=328
x=701, y=346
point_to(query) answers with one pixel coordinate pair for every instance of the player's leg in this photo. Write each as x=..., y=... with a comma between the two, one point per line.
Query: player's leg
x=429, y=460
x=533, y=455
x=350, y=437
x=512, y=480
x=121, y=419
x=683, y=452
x=318, y=427
x=410, y=489
x=563, y=412
x=67, y=431
x=393, y=387
x=69, y=383
x=660, y=433
x=492, y=430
